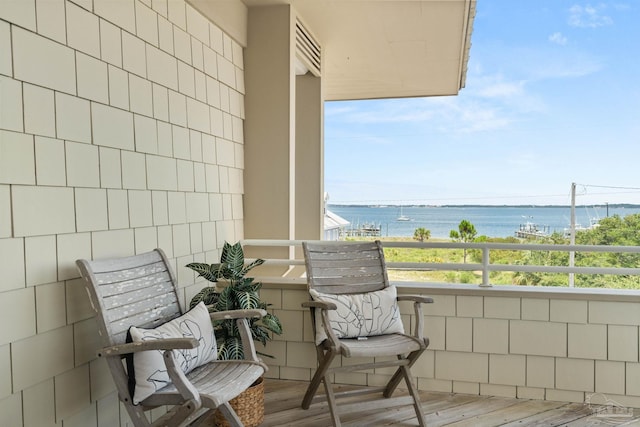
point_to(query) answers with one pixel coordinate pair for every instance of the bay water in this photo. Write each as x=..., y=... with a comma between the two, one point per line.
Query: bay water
x=492, y=221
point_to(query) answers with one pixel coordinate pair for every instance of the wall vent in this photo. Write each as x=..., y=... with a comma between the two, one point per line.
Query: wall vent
x=308, y=49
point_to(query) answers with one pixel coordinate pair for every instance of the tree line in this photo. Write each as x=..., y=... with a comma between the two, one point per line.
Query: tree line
x=611, y=231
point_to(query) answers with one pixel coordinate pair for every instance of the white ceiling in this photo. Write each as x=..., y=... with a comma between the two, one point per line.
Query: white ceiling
x=388, y=48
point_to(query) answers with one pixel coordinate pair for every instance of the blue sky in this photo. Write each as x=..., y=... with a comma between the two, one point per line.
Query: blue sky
x=552, y=97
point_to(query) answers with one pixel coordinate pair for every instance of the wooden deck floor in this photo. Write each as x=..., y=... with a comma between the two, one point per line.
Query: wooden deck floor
x=282, y=408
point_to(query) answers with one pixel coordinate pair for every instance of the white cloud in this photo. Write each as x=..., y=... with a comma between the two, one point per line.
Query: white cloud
x=393, y=115
x=502, y=90
x=558, y=38
x=621, y=6
x=341, y=110
x=490, y=103
x=588, y=16
x=556, y=65
x=531, y=63
x=481, y=118
x=535, y=63
x=472, y=113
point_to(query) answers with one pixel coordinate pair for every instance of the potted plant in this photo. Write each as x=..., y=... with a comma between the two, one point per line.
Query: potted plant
x=240, y=293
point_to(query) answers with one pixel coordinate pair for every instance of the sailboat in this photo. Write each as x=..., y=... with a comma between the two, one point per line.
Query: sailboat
x=402, y=217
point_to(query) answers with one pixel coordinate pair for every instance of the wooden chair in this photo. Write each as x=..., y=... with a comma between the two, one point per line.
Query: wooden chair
x=141, y=291
x=337, y=273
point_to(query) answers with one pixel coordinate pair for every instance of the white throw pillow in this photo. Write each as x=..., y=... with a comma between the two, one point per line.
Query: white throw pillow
x=149, y=370
x=360, y=315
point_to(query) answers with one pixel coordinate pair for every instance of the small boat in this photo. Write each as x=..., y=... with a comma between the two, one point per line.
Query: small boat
x=402, y=217
x=593, y=223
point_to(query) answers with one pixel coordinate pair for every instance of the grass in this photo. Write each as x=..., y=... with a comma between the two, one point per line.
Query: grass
x=437, y=255
x=514, y=257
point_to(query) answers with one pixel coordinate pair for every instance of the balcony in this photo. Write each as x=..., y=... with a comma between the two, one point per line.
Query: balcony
x=169, y=124
x=555, y=344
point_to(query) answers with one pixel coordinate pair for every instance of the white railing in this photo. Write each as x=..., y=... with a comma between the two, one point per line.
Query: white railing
x=294, y=258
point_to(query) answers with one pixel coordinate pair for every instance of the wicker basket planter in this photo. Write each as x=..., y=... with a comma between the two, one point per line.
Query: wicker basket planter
x=249, y=405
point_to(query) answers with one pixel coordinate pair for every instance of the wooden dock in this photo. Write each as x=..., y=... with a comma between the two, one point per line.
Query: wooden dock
x=282, y=408
x=362, y=230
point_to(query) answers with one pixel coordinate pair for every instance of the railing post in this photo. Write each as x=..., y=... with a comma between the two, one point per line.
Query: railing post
x=572, y=239
x=485, y=268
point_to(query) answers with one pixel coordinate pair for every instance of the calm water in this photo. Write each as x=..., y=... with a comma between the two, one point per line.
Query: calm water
x=490, y=221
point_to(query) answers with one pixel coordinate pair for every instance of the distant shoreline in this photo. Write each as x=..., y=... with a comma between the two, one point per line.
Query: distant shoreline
x=373, y=205
x=489, y=220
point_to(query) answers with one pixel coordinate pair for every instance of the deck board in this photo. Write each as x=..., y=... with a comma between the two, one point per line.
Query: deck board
x=283, y=398
x=510, y=413
x=560, y=416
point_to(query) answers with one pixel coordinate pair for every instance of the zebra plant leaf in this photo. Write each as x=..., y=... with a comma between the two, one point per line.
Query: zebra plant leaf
x=252, y=264
x=247, y=300
x=211, y=272
x=233, y=258
x=208, y=295
x=240, y=292
x=231, y=349
x=260, y=334
x=226, y=300
x=272, y=323
x=246, y=285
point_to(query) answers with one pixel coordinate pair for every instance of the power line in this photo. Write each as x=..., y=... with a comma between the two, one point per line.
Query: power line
x=610, y=186
x=461, y=198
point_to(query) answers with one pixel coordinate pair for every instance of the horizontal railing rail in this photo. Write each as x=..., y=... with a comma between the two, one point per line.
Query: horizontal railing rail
x=294, y=257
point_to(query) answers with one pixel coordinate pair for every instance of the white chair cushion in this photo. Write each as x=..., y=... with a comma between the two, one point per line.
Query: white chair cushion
x=360, y=315
x=149, y=369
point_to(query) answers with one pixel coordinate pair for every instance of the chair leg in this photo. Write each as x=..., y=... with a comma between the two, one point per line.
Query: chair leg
x=331, y=400
x=230, y=415
x=202, y=419
x=177, y=415
x=397, y=376
x=325, y=361
x=414, y=393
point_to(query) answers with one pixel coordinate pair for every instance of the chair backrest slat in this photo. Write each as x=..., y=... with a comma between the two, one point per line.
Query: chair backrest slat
x=129, y=274
x=121, y=293
x=125, y=263
x=345, y=268
x=133, y=291
x=346, y=263
x=154, y=316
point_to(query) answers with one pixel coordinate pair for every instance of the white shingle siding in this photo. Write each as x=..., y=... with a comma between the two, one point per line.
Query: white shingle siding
x=106, y=148
x=42, y=61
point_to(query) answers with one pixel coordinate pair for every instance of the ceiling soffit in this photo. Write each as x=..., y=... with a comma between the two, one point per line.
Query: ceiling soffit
x=387, y=48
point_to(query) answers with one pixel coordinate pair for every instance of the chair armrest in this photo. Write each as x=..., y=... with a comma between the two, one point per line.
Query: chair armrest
x=320, y=304
x=248, y=345
x=237, y=314
x=186, y=389
x=415, y=298
x=418, y=300
x=324, y=307
x=159, y=344
x=241, y=316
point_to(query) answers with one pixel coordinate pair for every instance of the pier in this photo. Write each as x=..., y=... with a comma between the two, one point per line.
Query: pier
x=364, y=230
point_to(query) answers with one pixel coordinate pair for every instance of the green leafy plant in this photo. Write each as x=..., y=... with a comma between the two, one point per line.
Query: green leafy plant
x=466, y=233
x=241, y=293
x=421, y=234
